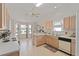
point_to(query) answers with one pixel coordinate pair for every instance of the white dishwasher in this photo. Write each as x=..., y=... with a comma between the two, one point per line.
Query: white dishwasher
x=64, y=44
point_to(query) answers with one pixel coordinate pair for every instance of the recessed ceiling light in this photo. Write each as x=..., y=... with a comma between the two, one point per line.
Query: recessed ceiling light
x=38, y=4
x=55, y=7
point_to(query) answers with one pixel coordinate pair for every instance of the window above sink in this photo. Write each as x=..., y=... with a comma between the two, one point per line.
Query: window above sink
x=57, y=26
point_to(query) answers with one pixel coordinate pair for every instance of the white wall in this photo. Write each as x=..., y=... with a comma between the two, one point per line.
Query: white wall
x=12, y=27
x=77, y=51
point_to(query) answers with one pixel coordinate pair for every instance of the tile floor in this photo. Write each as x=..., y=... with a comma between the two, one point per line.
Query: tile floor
x=27, y=49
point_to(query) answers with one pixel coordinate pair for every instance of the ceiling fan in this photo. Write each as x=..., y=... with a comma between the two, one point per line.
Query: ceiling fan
x=33, y=13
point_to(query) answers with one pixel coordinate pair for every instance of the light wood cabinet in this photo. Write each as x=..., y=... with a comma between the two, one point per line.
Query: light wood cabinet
x=0, y=15
x=66, y=23
x=39, y=40
x=53, y=41
x=69, y=23
x=4, y=16
x=50, y=40
x=72, y=22
x=73, y=46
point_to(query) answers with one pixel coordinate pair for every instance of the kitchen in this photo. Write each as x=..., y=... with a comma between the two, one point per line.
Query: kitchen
x=53, y=25
x=61, y=40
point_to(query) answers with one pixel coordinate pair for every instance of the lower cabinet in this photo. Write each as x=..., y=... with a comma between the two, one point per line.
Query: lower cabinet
x=39, y=40
x=53, y=41
x=73, y=47
x=66, y=45
x=50, y=40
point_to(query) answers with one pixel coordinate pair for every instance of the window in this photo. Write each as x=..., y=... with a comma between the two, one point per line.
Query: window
x=29, y=29
x=58, y=26
x=57, y=29
x=23, y=29
x=16, y=31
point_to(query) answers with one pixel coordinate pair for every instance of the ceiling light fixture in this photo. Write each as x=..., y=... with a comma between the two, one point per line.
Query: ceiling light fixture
x=55, y=7
x=38, y=4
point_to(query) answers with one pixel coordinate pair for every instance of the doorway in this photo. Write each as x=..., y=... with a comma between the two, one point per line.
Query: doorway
x=23, y=31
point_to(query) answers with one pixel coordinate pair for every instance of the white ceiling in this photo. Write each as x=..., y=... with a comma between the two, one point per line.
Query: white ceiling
x=22, y=11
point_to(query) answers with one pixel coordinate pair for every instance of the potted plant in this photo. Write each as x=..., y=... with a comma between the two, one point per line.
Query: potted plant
x=4, y=36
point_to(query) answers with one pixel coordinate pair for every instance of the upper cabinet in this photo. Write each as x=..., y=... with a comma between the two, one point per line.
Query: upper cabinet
x=0, y=15
x=47, y=24
x=69, y=23
x=4, y=16
x=66, y=22
x=72, y=22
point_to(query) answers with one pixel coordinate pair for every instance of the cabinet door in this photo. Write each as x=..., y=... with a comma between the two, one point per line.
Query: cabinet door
x=39, y=40
x=3, y=15
x=53, y=41
x=0, y=15
x=72, y=22
x=7, y=18
x=73, y=46
x=66, y=23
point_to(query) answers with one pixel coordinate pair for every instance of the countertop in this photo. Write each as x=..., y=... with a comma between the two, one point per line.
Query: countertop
x=8, y=47
x=64, y=36
x=41, y=34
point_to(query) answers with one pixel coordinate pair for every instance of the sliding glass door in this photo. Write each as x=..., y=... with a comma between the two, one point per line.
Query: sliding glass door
x=23, y=31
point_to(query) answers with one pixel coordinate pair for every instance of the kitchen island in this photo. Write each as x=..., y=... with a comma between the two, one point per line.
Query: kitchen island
x=10, y=48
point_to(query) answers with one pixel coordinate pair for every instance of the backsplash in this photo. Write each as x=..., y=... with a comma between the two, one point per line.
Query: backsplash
x=70, y=33
x=58, y=33
x=44, y=27
x=65, y=33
